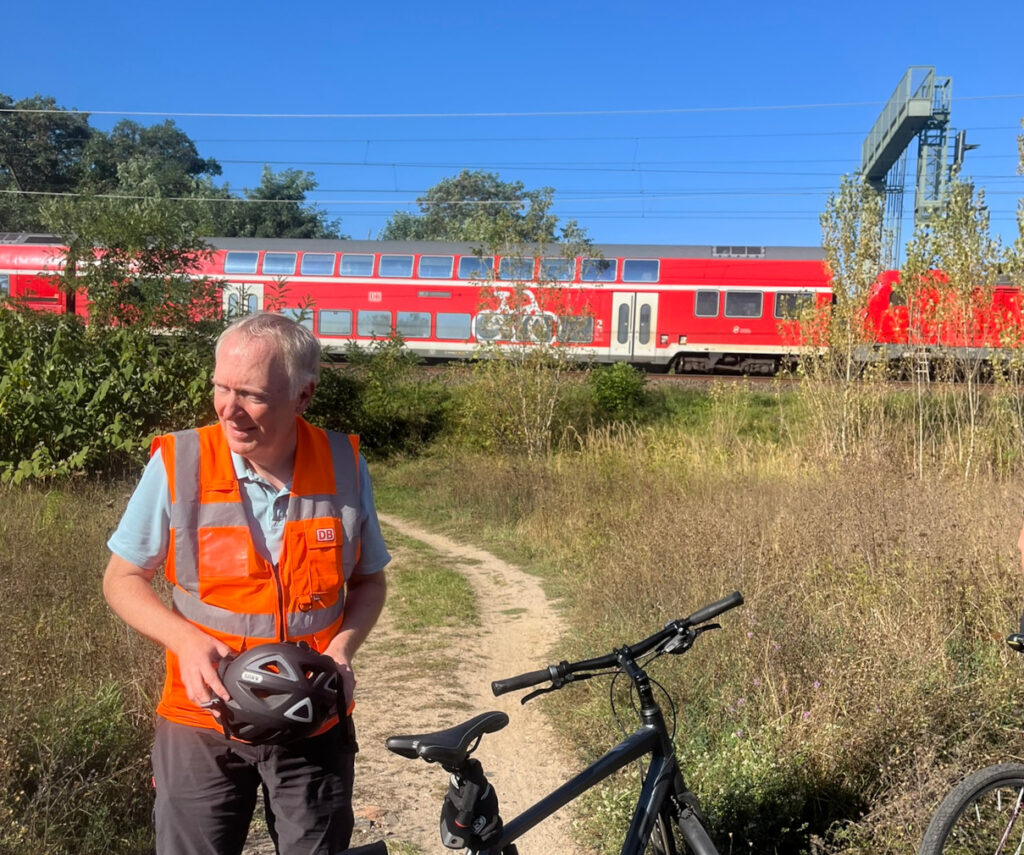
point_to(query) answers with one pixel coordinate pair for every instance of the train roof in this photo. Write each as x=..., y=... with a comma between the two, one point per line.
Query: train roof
x=606, y=250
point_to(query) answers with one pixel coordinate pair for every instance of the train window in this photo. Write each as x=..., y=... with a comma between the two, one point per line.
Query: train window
x=535, y=328
x=317, y=264
x=520, y=269
x=706, y=304
x=241, y=262
x=640, y=270
x=413, y=324
x=622, y=324
x=453, y=326
x=557, y=269
x=334, y=321
x=644, y=331
x=492, y=326
x=436, y=266
x=395, y=265
x=279, y=263
x=576, y=329
x=353, y=264
x=372, y=323
x=473, y=267
x=743, y=304
x=598, y=270
x=300, y=316
x=5, y=285
x=793, y=304
x=236, y=306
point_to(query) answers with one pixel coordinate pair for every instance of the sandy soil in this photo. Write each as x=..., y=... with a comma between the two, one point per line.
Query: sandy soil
x=400, y=692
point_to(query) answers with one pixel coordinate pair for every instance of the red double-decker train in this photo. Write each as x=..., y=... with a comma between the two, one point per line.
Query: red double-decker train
x=685, y=308
x=690, y=308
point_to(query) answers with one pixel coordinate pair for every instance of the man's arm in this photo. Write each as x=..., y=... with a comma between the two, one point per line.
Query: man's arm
x=364, y=600
x=129, y=592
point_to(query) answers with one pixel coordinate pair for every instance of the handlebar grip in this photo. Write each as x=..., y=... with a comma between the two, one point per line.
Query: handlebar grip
x=523, y=681
x=716, y=608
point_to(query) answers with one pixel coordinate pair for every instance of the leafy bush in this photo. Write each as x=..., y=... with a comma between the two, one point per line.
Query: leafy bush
x=77, y=399
x=379, y=396
x=620, y=391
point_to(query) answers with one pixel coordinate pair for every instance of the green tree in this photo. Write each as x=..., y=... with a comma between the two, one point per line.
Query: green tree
x=48, y=152
x=949, y=278
x=835, y=338
x=277, y=208
x=41, y=148
x=136, y=259
x=157, y=160
x=481, y=208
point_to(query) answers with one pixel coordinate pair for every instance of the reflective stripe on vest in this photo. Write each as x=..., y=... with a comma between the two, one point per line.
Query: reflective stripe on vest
x=191, y=517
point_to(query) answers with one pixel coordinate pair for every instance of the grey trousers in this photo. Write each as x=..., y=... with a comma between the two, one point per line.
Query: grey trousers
x=207, y=785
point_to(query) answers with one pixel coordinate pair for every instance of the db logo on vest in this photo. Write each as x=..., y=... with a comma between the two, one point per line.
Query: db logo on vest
x=325, y=535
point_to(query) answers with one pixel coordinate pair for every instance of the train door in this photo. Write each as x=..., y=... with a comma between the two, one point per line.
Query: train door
x=242, y=298
x=634, y=321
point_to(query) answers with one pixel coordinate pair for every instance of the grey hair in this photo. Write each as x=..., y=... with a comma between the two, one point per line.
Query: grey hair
x=297, y=346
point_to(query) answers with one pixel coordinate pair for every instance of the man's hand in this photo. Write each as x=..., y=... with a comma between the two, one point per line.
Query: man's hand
x=198, y=656
x=128, y=588
x=348, y=681
x=364, y=600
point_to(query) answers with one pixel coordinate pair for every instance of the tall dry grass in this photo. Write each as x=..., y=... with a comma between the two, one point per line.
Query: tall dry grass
x=866, y=670
x=78, y=687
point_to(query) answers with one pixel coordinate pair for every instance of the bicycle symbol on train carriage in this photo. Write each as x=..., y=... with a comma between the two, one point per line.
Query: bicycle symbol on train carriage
x=521, y=321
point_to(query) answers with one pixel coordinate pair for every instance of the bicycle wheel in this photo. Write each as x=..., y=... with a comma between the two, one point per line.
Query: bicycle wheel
x=984, y=813
x=679, y=829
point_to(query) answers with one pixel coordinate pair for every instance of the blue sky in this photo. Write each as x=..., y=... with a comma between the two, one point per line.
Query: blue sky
x=654, y=122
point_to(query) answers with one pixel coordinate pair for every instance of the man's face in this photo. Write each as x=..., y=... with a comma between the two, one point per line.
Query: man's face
x=253, y=401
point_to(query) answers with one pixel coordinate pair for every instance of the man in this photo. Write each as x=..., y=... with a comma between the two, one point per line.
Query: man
x=267, y=530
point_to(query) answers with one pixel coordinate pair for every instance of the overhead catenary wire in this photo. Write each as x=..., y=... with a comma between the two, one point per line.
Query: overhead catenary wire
x=492, y=114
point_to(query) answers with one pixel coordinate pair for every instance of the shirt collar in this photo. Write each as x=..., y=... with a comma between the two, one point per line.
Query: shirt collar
x=244, y=472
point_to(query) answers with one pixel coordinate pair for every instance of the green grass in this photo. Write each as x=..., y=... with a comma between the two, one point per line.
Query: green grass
x=424, y=592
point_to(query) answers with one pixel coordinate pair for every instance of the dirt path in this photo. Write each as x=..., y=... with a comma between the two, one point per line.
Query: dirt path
x=427, y=683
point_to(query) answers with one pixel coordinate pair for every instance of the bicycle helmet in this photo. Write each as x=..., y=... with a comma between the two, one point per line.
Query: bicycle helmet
x=279, y=693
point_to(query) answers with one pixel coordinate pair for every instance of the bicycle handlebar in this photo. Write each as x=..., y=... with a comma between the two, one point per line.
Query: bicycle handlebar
x=556, y=674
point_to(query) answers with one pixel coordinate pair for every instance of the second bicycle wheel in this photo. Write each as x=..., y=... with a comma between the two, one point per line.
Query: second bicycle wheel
x=982, y=815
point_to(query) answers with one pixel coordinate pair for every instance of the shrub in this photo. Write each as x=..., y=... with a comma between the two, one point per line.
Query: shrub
x=620, y=391
x=379, y=396
x=76, y=399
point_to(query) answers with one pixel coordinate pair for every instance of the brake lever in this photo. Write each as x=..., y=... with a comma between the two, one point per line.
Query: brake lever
x=570, y=678
x=684, y=641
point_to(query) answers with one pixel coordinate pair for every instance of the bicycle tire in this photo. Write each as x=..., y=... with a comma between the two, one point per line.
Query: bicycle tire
x=679, y=829
x=984, y=813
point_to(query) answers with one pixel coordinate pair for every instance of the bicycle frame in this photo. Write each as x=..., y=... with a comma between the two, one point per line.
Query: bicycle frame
x=667, y=814
x=663, y=779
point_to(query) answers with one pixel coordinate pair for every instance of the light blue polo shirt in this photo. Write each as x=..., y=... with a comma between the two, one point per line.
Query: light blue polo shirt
x=143, y=535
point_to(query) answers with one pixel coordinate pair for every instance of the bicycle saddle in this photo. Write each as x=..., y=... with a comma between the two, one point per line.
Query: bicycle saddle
x=448, y=747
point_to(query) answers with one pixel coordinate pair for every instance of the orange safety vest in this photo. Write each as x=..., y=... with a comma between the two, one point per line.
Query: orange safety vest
x=222, y=585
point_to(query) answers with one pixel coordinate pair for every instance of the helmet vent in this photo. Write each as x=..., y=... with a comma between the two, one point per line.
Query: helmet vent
x=302, y=711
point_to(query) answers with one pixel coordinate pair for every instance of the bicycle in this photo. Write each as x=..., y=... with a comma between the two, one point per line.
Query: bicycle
x=984, y=813
x=667, y=816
